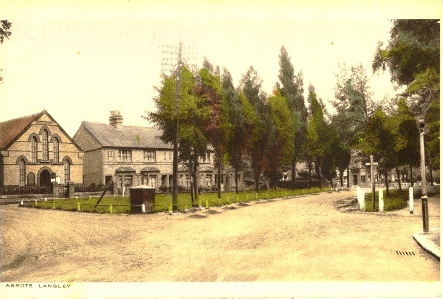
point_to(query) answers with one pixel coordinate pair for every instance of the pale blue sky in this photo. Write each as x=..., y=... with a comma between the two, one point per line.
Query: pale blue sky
x=80, y=61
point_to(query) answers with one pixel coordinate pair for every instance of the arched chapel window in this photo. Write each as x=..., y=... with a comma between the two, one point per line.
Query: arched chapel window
x=34, y=149
x=22, y=172
x=45, y=148
x=67, y=167
x=56, y=150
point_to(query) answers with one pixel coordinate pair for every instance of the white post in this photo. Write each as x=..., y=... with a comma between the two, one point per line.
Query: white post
x=123, y=193
x=411, y=200
x=21, y=203
x=381, y=204
x=45, y=198
x=361, y=198
x=143, y=208
x=362, y=195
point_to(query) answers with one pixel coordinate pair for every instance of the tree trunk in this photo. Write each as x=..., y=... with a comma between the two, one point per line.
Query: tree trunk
x=398, y=177
x=236, y=180
x=319, y=174
x=347, y=183
x=341, y=178
x=412, y=183
x=431, y=178
x=293, y=164
x=191, y=169
x=218, y=177
x=195, y=177
x=309, y=171
x=256, y=177
x=386, y=181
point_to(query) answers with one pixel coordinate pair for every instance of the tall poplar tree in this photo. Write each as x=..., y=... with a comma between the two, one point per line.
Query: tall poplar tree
x=316, y=139
x=237, y=133
x=291, y=87
x=255, y=109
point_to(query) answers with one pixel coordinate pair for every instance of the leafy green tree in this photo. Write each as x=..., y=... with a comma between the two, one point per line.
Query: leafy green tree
x=193, y=113
x=236, y=135
x=407, y=137
x=378, y=139
x=354, y=104
x=255, y=109
x=316, y=139
x=280, y=143
x=412, y=56
x=414, y=47
x=217, y=126
x=292, y=89
x=5, y=32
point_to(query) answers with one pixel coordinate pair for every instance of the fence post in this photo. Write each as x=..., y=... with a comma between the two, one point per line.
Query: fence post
x=110, y=208
x=143, y=208
x=45, y=198
x=35, y=203
x=411, y=200
x=78, y=206
x=53, y=204
x=381, y=205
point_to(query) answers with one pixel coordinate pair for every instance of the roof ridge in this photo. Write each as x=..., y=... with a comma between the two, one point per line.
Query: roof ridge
x=21, y=117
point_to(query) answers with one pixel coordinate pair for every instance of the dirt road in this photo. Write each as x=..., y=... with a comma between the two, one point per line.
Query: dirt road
x=298, y=239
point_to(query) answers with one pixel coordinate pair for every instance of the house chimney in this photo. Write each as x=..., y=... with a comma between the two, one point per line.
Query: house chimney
x=116, y=120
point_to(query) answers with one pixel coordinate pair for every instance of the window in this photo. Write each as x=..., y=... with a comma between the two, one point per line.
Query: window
x=56, y=150
x=153, y=180
x=111, y=155
x=34, y=149
x=45, y=149
x=31, y=179
x=125, y=155
x=149, y=156
x=22, y=172
x=67, y=168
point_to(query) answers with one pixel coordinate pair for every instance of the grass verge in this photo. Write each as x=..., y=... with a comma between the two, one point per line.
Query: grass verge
x=163, y=202
x=396, y=200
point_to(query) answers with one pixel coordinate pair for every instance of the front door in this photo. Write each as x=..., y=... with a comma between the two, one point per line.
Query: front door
x=45, y=178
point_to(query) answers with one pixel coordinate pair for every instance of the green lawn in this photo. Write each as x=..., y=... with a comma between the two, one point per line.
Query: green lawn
x=396, y=200
x=163, y=202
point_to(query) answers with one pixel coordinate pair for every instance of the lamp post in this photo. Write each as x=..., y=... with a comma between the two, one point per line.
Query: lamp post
x=424, y=197
x=176, y=56
x=421, y=108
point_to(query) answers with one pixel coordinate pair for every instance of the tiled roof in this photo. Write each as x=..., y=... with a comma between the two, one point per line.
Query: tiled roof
x=12, y=129
x=127, y=137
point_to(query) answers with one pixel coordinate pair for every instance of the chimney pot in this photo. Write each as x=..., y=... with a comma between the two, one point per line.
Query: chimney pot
x=116, y=119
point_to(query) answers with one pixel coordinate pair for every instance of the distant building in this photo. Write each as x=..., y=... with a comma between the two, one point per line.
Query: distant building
x=132, y=156
x=35, y=150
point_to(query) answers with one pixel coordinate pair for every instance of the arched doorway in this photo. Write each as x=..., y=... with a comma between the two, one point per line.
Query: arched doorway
x=45, y=178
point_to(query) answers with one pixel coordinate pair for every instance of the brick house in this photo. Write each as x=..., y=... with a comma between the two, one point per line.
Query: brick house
x=132, y=156
x=35, y=150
